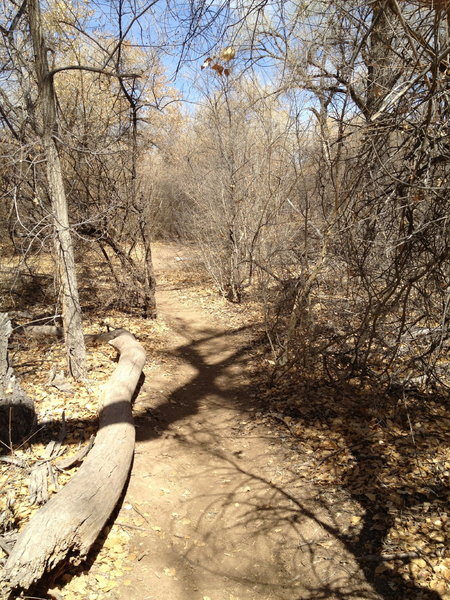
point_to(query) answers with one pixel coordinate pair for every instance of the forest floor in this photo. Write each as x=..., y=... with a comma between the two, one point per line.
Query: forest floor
x=234, y=495
x=221, y=516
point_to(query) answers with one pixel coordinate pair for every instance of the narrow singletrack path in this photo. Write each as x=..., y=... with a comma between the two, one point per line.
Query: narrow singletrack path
x=219, y=513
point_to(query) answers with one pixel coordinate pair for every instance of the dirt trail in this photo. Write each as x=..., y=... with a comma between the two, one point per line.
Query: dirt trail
x=221, y=517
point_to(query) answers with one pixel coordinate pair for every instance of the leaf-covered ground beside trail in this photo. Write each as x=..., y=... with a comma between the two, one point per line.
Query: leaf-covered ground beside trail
x=73, y=408
x=389, y=455
x=69, y=410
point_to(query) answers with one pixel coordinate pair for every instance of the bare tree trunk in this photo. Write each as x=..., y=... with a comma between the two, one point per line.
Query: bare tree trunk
x=150, y=311
x=149, y=280
x=65, y=259
x=381, y=72
x=148, y=277
x=17, y=415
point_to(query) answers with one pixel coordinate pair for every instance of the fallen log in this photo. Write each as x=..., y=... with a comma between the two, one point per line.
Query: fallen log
x=68, y=525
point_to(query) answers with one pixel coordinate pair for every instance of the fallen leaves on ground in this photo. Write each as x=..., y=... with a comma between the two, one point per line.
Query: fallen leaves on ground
x=391, y=455
x=70, y=416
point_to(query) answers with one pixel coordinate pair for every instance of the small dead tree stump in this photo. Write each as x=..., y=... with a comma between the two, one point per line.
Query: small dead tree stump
x=72, y=519
x=17, y=415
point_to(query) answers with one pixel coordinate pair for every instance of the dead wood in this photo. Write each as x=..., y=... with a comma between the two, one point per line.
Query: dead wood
x=40, y=331
x=397, y=556
x=104, y=337
x=7, y=541
x=38, y=484
x=16, y=409
x=67, y=463
x=72, y=519
x=12, y=460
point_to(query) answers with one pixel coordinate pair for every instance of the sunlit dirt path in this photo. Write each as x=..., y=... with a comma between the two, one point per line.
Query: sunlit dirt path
x=219, y=514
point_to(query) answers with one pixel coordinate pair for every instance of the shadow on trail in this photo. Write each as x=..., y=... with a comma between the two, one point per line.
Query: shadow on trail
x=310, y=550
x=185, y=401
x=368, y=483
x=260, y=525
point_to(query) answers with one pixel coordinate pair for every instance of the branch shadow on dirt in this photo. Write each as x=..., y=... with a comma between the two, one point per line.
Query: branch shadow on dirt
x=302, y=527
x=310, y=550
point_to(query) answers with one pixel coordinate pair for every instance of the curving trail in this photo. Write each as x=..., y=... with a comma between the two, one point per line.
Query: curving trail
x=221, y=514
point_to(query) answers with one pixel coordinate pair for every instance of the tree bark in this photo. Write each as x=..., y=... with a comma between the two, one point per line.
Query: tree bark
x=65, y=259
x=382, y=66
x=17, y=416
x=71, y=521
x=149, y=284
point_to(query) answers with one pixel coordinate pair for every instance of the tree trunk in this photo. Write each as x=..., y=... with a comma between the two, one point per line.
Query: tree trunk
x=150, y=311
x=382, y=66
x=71, y=311
x=17, y=415
x=149, y=280
x=70, y=522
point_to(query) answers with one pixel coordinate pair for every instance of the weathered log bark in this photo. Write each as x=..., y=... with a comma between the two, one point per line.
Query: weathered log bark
x=46, y=331
x=71, y=521
x=17, y=415
x=42, y=331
